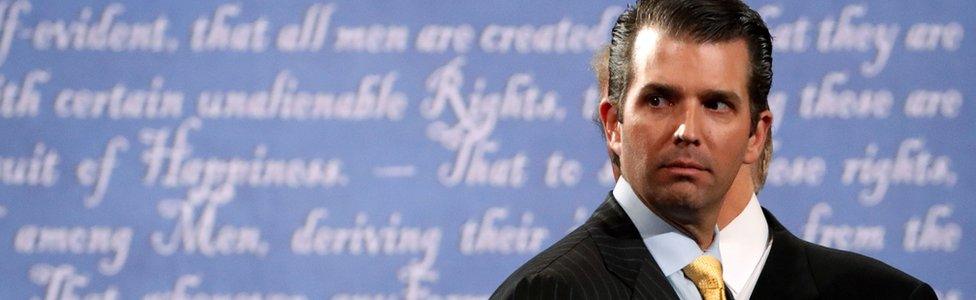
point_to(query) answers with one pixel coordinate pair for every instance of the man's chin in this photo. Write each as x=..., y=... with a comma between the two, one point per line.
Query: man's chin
x=681, y=198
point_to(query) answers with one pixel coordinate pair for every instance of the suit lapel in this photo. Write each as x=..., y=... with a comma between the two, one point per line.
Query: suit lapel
x=625, y=254
x=786, y=272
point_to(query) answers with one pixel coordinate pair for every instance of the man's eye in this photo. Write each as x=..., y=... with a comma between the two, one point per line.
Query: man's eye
x=718, y=105
x=656, y=101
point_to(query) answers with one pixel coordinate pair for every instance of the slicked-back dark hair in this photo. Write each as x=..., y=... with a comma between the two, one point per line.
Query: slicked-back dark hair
x=703, y=21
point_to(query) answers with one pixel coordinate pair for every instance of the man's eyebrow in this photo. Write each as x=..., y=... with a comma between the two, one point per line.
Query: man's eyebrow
x=720, y=94
x=664, y=89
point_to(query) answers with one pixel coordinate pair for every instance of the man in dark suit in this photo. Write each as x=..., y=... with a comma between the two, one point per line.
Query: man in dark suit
x=606, y=257
x=748, y=231
x=687, y=89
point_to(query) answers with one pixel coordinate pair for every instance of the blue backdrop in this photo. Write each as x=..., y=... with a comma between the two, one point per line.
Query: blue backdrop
x=395, y=149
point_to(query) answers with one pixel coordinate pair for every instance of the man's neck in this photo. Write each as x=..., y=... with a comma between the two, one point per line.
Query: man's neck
x=736, y=199
x=703, y=235
x=698, y=225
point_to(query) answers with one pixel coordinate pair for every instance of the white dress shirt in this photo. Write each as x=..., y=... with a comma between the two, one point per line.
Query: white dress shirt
x=671, y=249
x=745, y=245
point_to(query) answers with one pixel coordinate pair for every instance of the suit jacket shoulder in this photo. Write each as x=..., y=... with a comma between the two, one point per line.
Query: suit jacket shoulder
x=797, y=269
x=562, y=271
x=604, y=258
x=844, y=273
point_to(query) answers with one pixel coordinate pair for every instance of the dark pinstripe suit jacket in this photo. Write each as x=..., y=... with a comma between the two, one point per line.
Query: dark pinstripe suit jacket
x=605, y=258
x=797, y=269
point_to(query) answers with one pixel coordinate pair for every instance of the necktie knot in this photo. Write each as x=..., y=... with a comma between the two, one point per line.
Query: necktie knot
x=706, y=273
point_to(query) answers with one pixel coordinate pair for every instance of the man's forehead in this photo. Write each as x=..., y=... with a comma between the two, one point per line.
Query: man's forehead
x=651, y=37
x=654, y=47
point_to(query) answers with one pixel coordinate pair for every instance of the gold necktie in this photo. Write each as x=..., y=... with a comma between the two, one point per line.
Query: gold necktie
x=706, y=273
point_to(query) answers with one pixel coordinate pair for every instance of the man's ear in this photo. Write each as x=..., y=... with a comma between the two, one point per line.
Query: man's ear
x=611, y=126
x=758, y=139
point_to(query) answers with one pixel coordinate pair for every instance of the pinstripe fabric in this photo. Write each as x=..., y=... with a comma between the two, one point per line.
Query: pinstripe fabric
x=605, y=258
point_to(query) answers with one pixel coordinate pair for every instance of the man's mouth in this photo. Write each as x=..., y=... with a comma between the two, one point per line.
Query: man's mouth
x=684, y=166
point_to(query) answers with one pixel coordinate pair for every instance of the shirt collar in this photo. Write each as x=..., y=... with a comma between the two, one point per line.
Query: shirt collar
x=745, y=239
x=671, y=249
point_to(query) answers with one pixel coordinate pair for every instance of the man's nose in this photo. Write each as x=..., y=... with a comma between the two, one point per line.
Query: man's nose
x=686, y=131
